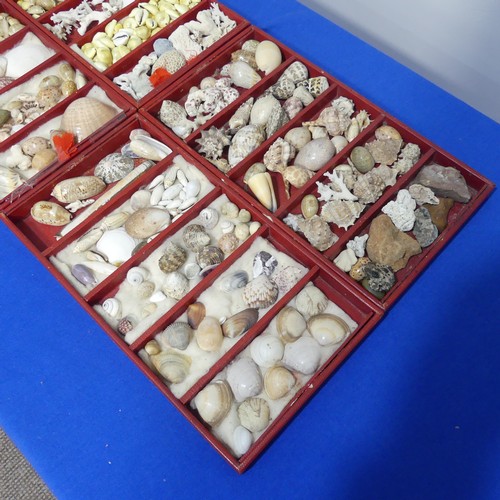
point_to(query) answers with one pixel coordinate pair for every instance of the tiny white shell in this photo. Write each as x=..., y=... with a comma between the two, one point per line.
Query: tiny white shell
x=158, y=296
x=192, y=188
x=112, y=306
x=136, y=275
x=242, y=440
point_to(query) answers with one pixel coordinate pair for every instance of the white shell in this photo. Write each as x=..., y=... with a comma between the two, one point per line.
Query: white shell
x=157, y=194
x=242, y=440
x=140, y=199
x=175, y=285
x=88, y=240
x=261, y=186
x=303, y=356
x=262, y=109
x=192, y=188
x=327, y=329
x=209, y=217
x=149, y=148
x=136, y=275
x=345, y=260
x=112, y=306
x=116, y=245
x=244, y=378
x=310, y=301
x=172, y=192
x=243, y=75
x=158, y=296
x=268, y=56
x=266, y=350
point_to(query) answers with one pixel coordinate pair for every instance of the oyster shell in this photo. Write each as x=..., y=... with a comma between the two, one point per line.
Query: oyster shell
x=260, y=293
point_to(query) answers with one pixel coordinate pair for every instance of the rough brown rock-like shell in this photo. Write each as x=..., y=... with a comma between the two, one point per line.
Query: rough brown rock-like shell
x=228, y=243
x=175, y=285
x=384, y=151
x=173, y=258
x=261, y=292
x=195, y=237
x=85, y=115
x=335, y=122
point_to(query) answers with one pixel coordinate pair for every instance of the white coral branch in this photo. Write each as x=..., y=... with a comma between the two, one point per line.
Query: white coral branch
x=336, y=190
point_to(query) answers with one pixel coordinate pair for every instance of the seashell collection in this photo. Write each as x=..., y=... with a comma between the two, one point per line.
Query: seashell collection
x=352, y=186
x=8, y=25
x=37, y=8
x=265, y=376
x=122, y=36
x=173, y=53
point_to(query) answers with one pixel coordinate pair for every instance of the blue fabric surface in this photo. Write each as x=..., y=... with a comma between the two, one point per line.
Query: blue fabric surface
x=414, y=413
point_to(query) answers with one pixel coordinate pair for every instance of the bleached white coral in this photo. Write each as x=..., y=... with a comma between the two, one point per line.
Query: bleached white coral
x=336, y=190
x=402, y=211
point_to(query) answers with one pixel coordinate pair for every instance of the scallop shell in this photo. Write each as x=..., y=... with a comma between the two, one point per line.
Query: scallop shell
x=172, y=366
x=214, y=402
x=318, y=232
x=174, y=256
x=342, y=213
x=78, y=188
x=311, y=301
x=209, y=217
x=175, y=285
x=85, y=115
x=297, y=72
x=266, y=350
x=195, y=237
x=233, y=281
x=327, y=329
x=268, y=56
x=146, y=222
x=209, y=334
x=88, y=240
x=178, y=335
x=52, y=214
x=303, y=356
x=261, y=292
x=228, y=243
x=209, y=256
x=278, y=382
x=246, y=140
x=240, y=322
x=254, y=414
x=195, y=314
x=243, y=75
x=112, y=307
x=261, y=185
x=136, y=275
x=242, y=440
x=244, y=378
x=116, y=245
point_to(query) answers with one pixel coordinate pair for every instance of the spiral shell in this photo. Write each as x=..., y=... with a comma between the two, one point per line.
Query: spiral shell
x=136, y=275
x=209, y=256
x=112, y=307
x=173, y=258
x=228, y=243
x=209, y=218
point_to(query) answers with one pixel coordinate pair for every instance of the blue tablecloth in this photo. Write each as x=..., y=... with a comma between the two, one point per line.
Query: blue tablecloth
x=413, y=413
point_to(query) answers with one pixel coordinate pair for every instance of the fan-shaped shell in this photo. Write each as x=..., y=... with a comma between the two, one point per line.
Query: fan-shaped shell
x=244, y=378
x=327, y=329
x=175, y=285
x=254, y=414
x=114, y=167
x=178, y=335
x=290, y=324
x=240, y=322
x=266, y=350
x=173, y=258
x=260, y=293
x=214, y=402
x=303, y=356
x=278, y=382
x=85, y=115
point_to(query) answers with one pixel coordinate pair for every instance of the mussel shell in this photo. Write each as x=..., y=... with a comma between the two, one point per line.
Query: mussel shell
x=327, y=329
x=240, y=322
x=214, y=402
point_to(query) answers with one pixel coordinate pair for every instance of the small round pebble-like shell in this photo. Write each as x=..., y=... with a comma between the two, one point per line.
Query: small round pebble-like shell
x=228, y=243
x=51, y=214
x=32, y=145
x=362, y=159
x=175, y=285
x=114, y=167
x=311, y=301
x=254, y=414
x=268, y=56
x=43, y=159
x=309, y=206
x=303, y=356
x=261, y=292
x=242, y=440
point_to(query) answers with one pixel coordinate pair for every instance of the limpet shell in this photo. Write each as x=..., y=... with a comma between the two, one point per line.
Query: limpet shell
x=254, y=414
x=214, y=402
x=278, y=382
x=290, y=324
x=52, y=214
x=327, y=329
x=209, y=334
x=244, y=378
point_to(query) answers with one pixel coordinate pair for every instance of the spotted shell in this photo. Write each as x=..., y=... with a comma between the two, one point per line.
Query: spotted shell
x=114, y=167
x=175, y=285
x=85, y=115
x=209, y=256
x=173, y=258
x=261, y=292
x=33, y=145
x=296, y=72
x=48, y=96
x=287, y=278
x=51, y=214
x=78, y=188
x=174, y=116
x=297, y=176
x=195, y=237
x=342, y=213
x=171, y=60
x=317, y=85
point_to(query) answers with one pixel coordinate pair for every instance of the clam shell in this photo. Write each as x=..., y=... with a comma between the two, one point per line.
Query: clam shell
x=261, y=185
x=78, y=188
x=173, y=258
x=116, y=245
x=303, y=356
x=195, y=237
x=244, y=378
x=243, y=75
x=278, y=382
x=233, y=281
x=290, y=324
x=178, y=335
x=214, y=402
x=172, y=366
x=209, y=334
x=240, y=322
x=195, y=314
x=268, y=56
x=113, y=167
x=85, y=115
x=254, y=414
x=228, y=243
x=49, y=213
x=327, y=329
x=175, y=285
x=311, y=301
x=266, y=350
x=146, y=222
x=136, y=275
x=260, y=293
x=242, y=440
x=112, y=307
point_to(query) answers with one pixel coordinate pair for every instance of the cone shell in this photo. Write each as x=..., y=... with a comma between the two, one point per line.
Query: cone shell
x=261, y=185
x=85, y=115
x=240, y=322
x=214, y=402
x=278, y=382
x=327, y=329
x=261, y=292
x=209, y=334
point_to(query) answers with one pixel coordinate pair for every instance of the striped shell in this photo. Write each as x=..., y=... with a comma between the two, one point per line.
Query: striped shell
x=261, y=292
x=209, y=256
